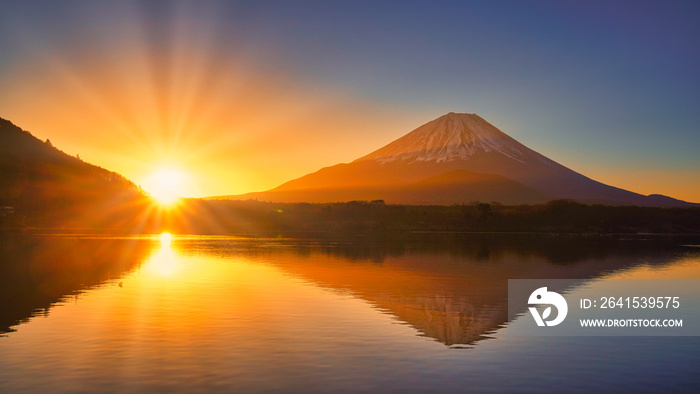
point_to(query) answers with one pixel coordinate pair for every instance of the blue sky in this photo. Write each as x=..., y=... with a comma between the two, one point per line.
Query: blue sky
x=607, y=88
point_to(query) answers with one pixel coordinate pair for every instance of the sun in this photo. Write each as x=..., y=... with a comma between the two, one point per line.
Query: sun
x=166, y=185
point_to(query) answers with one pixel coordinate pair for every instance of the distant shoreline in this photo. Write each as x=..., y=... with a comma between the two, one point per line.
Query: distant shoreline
x=221, y=217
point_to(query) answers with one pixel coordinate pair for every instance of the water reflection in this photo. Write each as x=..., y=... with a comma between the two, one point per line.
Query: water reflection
x=39, y=271
x=229, y=313
x=452, y=288
x=458, y=295
x=166, y=239
x=163, y=261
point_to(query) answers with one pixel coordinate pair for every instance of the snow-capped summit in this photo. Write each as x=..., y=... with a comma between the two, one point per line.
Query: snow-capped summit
x=448, y=138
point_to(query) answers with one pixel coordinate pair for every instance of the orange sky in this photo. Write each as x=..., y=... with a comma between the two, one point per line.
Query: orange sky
x=243, y=131
x=137, y=90
x=230, y=132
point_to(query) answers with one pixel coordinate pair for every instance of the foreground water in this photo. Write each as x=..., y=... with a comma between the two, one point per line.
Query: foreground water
x=419, y=313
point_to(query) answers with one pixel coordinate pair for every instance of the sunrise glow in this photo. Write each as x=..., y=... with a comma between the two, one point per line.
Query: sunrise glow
x=166, y=185
x=165, y=239
x=164, y=82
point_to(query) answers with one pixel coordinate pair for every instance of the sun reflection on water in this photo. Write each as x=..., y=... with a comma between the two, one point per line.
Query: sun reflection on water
x=165, y=239
x=164, y=262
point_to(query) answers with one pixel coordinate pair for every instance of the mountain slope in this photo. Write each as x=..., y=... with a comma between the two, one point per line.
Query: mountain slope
x=462, y=186
x=466, y=141
x=449, y=143
x=453, y=187
x=47, y=186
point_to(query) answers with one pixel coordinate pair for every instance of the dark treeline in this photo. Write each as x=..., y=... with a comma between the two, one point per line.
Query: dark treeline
x=252, y=217
x=359, y=216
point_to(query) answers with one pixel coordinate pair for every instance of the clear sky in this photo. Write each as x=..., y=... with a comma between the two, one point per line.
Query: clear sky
x=242, y=96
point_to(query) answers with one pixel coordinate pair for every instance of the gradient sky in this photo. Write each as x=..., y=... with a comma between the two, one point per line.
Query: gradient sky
x=243, y=96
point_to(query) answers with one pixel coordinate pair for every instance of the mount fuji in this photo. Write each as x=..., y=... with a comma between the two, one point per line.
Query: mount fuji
x=456, y=158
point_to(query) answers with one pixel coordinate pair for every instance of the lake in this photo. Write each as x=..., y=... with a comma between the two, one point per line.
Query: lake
x=409, y=313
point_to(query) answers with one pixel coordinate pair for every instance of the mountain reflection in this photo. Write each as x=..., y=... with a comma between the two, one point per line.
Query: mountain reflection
x=39, y=271
x=454, y=288
x=449, y=287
